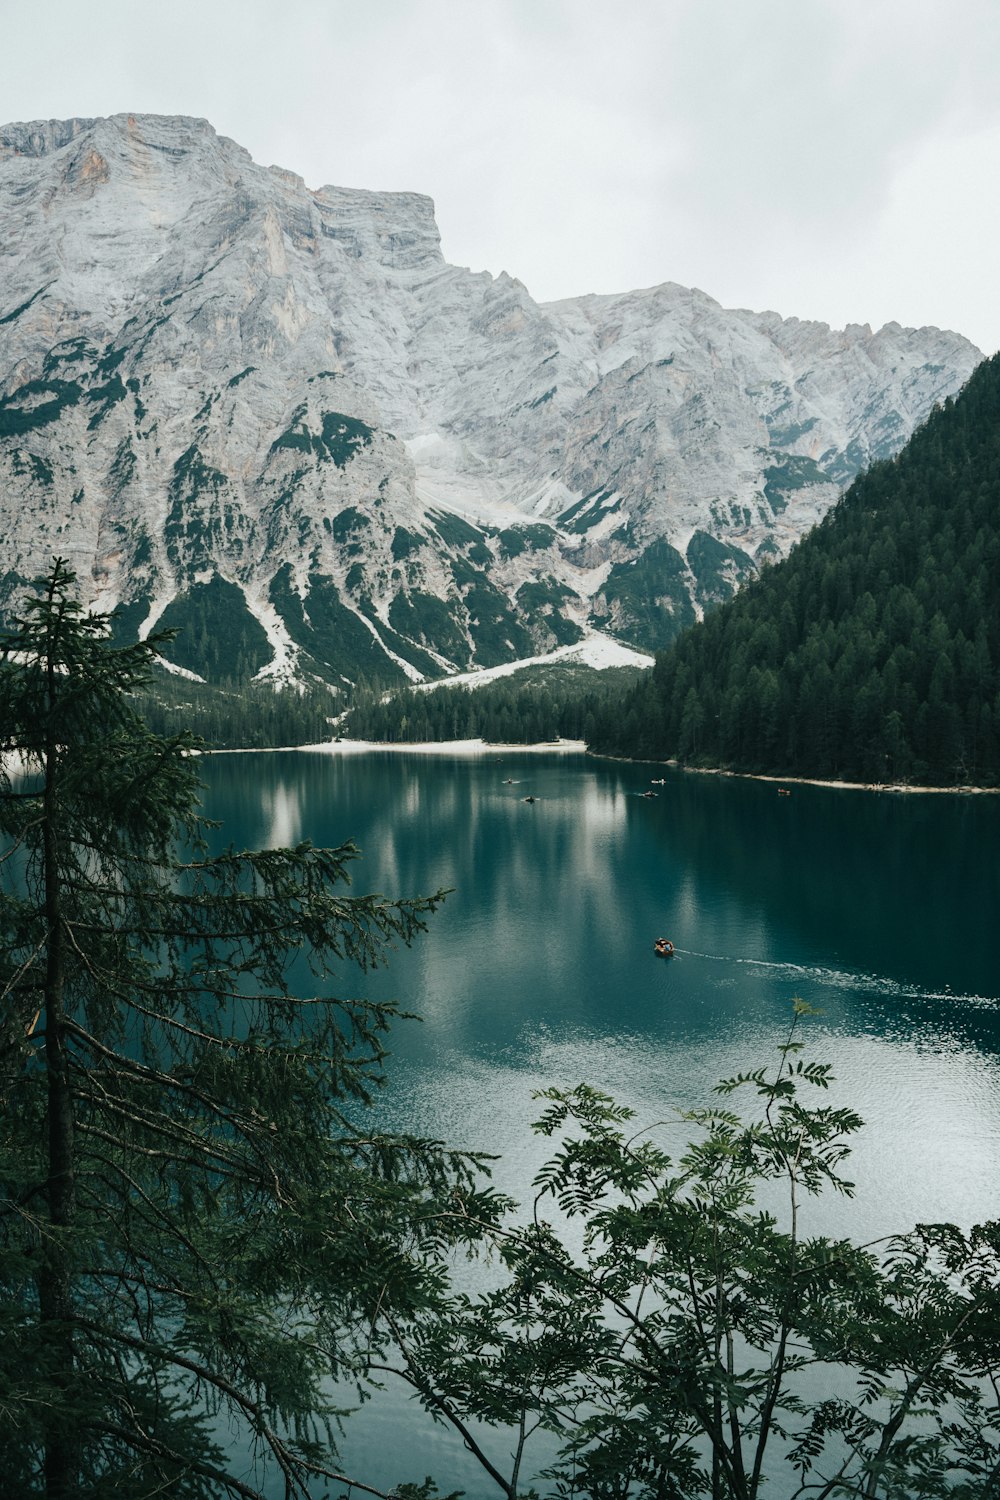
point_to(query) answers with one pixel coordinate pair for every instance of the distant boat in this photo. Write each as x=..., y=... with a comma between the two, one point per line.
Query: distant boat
x=783, y=791
x=663, y=948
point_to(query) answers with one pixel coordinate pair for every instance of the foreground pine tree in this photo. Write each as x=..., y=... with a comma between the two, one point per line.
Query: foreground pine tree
x=196, y=1229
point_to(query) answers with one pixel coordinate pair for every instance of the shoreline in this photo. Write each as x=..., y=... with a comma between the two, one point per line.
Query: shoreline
x=418, y=747
x=480, y=747
x=896, y=787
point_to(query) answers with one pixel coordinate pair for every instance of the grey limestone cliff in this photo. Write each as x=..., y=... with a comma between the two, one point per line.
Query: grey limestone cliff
x=278, y=417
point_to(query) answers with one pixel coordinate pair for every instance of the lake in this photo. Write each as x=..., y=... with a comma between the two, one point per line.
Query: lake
x=880, y=909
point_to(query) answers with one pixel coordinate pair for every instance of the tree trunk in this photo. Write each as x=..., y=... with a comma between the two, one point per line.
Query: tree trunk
x=54, y=1282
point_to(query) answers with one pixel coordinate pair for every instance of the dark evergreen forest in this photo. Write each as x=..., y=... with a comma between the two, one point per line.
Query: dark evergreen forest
x=255, y=716
x=872, y=653
x=516, y=710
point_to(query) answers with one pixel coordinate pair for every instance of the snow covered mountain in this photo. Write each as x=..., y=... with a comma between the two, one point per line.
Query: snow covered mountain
x=276, y=416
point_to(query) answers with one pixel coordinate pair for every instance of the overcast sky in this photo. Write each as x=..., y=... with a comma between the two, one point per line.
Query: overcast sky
x=830, y=159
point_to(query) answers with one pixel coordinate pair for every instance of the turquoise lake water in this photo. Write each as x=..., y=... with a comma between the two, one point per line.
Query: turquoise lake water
x=879, y=909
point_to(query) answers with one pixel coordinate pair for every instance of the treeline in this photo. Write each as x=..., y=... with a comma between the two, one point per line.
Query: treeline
x=558, y=703
x=257, y=716
x=506, y=711
x=873, y=652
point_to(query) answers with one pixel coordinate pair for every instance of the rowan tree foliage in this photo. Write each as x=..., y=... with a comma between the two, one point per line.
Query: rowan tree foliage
x=666, y=1319
x=198, y=1225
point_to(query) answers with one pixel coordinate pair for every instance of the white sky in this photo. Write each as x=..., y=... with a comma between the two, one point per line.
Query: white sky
x=831, y=159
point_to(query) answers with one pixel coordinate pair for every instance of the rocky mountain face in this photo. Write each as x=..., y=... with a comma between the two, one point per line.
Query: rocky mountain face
x=278, y=418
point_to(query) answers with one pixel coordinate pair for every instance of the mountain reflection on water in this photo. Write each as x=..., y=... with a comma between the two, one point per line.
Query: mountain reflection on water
x=879, y=910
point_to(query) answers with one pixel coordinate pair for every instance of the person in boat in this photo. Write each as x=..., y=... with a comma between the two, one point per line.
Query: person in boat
x=664, y=947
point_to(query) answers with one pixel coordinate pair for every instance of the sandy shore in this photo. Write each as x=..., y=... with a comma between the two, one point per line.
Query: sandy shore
x=424, y=747
x=847, y=786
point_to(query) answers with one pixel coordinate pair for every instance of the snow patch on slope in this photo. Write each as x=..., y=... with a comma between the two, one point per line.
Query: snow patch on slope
x=595, y=650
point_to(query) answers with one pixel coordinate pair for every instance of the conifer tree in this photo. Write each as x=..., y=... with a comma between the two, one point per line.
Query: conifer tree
x=195, y=1220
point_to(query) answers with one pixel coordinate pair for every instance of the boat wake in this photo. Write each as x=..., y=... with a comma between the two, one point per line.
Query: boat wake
x=840, y=979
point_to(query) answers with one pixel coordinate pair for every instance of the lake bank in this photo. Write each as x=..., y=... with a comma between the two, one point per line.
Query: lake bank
x=476, y=747
x=480, y=747
x=847, y=786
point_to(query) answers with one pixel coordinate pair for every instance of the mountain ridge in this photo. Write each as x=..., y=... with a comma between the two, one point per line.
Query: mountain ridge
x=209, y=371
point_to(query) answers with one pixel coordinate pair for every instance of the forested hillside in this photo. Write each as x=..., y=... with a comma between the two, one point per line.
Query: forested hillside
x=254, y=716
x=530, y=706
x=873, y=651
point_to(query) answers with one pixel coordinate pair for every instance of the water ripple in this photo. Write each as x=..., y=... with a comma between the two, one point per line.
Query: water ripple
x=872, y=984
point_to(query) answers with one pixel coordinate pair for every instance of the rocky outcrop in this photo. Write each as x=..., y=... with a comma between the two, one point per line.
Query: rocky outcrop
x=278, y=417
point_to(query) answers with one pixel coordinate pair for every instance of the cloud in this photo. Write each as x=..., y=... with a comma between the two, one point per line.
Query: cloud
x=802, y=154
